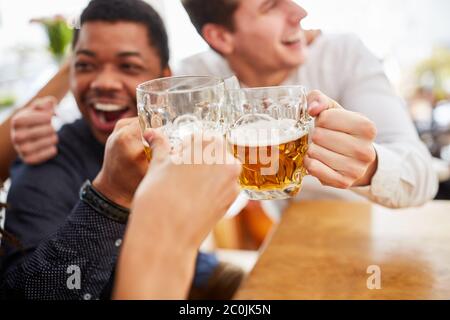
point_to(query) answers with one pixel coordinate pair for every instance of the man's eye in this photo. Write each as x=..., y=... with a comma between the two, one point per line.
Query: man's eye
x=129, y=67
x=83, y=66
x=268, y=5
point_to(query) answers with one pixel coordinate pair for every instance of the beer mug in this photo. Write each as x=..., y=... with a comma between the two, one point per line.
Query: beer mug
x=269, y=133
x=181, y=106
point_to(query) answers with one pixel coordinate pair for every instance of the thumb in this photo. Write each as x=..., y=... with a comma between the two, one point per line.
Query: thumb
x=46, y=104
x=159, y=145
x=319, y=102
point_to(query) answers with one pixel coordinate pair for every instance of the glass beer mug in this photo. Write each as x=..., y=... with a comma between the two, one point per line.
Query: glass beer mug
x=269, y=133
x=181, y=106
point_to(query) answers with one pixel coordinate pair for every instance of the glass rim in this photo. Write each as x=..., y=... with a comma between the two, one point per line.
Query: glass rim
x=256, y=89
x=140, y=87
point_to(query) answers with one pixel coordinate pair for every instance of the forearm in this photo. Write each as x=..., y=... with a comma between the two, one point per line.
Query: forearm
x=405, y=176
x=7, y=149
x=159, y=270
x=57, y=87
x=157, y=259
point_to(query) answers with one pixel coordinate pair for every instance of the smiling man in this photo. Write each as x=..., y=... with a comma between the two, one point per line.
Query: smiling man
x=364, y=139
x=120, y=45
x=110, y=60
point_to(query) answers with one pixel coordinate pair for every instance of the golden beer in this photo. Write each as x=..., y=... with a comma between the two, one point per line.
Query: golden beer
x=148, y=152
x=271, y=168
x=144, y=126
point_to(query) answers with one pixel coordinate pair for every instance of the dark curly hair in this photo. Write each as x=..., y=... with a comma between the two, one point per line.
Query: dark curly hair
x=132, y=11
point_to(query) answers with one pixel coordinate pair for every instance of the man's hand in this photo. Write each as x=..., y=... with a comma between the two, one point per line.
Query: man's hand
x=341, y=154
x=193, y=197
x=174, y=209
x=124, y=165
x=32, y=133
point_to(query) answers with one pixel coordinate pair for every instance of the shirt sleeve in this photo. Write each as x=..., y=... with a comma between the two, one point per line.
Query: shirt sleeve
x=405, y=176
x=74, y=263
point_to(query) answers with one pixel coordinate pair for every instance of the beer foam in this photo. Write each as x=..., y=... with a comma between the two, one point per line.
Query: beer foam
x=265, y=133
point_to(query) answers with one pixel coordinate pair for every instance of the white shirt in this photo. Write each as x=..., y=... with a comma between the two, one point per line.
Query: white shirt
x=342, y=67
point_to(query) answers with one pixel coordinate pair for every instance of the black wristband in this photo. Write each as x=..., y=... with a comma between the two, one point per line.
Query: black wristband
x=103, y=205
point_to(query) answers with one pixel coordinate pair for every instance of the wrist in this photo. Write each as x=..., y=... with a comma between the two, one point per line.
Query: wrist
x=108, y=190
x=366, y=180
x=103, y=205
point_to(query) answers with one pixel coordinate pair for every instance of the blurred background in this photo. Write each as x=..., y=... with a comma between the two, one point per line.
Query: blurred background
x=411, y=38
x=404, y=34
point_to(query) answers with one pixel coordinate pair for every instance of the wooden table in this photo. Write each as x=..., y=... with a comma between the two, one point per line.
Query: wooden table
x=322, y=250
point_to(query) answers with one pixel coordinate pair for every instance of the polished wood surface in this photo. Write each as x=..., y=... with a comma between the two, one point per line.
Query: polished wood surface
x=322, y=250
x=246, y=231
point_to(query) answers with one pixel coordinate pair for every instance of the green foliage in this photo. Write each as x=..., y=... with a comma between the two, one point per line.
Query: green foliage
x=7, y=101
x=59, y=35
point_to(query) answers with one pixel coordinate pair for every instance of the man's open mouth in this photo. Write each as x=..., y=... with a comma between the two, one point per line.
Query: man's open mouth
x=105, y=115
x=292, y=40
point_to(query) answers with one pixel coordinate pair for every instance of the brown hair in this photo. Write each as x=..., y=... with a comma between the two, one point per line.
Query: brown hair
x=219, y=12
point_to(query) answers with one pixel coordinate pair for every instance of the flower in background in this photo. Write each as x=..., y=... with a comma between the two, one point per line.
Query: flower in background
x=59, y=34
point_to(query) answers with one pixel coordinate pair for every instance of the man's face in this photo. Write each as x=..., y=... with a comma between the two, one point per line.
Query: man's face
x=268, y=35
x=110, y=60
